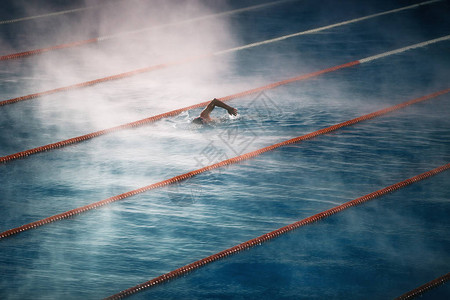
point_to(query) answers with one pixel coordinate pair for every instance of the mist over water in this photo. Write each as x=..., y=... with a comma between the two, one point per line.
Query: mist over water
x=381, y=249
x=115, y=102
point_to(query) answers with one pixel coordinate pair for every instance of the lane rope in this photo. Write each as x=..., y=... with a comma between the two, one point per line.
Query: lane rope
x=419, y=45
x=155, y=118
x=118, y=35
x=47, y=49
x=425, y=287
x=223, y=163
x=63, y=12
x=311, y=31
x=273, y=234
x=196, y=58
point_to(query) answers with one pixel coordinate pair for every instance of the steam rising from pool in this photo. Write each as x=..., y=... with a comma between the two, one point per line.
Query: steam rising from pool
x=167, y=38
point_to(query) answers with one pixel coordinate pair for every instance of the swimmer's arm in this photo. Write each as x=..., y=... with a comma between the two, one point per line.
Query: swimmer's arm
x=215, y=102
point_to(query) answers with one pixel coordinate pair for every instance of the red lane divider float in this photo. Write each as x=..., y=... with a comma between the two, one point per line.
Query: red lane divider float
x=172, y=113
x=223, y=163
x=195, y=58
x=425, y=288
x=273, y=234
x=42, y=50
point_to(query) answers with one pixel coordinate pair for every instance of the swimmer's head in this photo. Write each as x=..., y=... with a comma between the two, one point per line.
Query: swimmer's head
x=199, y=120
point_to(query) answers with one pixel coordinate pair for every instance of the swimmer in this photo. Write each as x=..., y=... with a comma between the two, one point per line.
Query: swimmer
x=204, y=115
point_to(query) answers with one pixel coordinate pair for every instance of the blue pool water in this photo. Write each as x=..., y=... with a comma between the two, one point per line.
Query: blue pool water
x=378, y=250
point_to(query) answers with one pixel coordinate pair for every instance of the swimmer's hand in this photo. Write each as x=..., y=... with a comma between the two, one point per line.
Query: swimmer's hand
x=216, y=102
x=232, y=111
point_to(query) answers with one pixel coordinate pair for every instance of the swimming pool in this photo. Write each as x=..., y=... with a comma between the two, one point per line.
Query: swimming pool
x=374, y=251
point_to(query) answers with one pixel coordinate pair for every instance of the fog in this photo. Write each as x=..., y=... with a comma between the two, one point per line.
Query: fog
x=169, y=37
